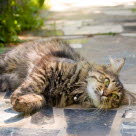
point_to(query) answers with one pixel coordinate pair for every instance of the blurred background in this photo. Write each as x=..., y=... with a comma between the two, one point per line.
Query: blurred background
x=97, y=29
x=19, y=18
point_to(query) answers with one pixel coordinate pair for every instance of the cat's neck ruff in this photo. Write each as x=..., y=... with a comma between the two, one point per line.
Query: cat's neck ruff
x=94, y=96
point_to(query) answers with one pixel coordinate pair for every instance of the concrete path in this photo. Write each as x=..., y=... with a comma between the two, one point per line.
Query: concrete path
x=97, y=30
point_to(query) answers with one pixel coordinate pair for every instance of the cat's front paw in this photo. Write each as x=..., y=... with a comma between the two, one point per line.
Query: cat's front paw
x=87, y=103
x=27, y=103
x=20, y=105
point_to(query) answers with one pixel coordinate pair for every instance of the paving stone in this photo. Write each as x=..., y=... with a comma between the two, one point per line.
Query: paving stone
x=129, y=24
x=10, y=117
x=120, y=12
x=76, y=45
x=7, y=114
x=13, y=131
x=96, y=29
x=130, y=113
x=128, y=128
x=130, y=27
x=129, y=34
x=59, y=24
x=82, y=27
x=44, y=116
x=86, y=122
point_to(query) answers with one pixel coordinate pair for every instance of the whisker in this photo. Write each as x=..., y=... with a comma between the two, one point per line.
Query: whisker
x=101, y=111
x=106, y=106
x=97, y=111
x=106, y=109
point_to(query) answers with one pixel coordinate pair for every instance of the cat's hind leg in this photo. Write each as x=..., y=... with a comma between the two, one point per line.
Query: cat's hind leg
x=4, y=83
x=9, y=82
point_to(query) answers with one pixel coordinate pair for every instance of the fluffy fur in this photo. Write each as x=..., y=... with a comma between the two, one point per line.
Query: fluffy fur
x=52, y=73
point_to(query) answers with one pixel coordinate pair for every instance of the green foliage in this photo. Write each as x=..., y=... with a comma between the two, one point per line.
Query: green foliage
x=134, y=9
x=41, y=2
x=17, y=16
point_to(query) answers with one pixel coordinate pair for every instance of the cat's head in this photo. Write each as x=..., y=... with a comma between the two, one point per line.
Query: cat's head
x=104, y=86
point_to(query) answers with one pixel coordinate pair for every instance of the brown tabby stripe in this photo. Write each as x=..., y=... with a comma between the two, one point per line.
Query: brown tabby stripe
x=38, y=82
x=41, y=77
x=96, y=79
x=101, y=73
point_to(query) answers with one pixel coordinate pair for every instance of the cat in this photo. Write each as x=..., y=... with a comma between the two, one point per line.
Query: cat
x=52, y=73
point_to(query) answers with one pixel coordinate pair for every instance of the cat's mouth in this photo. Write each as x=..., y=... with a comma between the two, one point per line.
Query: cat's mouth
x=100, y=99
x=101, y=96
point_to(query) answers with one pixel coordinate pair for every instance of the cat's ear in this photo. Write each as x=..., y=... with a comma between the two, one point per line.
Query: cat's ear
x=117, y=64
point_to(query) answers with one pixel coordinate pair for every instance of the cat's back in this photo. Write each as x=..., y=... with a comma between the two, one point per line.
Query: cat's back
x=23, y=58
x=32, y=51
x=61, y=49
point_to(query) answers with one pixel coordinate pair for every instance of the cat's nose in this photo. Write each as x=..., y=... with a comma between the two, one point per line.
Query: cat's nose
x=104, y=93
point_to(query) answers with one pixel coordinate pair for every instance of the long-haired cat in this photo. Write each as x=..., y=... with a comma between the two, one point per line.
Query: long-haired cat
x=52, y=73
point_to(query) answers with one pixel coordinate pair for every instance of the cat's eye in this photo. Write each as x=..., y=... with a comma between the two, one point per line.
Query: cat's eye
x=115, y=97
x=106, y=82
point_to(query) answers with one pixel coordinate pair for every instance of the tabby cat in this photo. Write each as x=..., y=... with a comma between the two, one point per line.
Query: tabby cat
x=52, y=73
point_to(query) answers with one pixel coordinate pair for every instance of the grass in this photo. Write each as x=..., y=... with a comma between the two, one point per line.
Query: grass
x=53, y=33
x=81, y=41
x=110, y=33
x=3, y=49
x=133, y=9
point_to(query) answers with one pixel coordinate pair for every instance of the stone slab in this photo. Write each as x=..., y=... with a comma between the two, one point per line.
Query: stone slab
x=45, y=116
x=84, y=123
x=128, y=128
x=59, y=24
x=120, y=12
x=129, y=113
x=76, y=45
x=129, y=24
x=13, y=131
x=129, y=34
x=93, y=29
x=83, y=27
